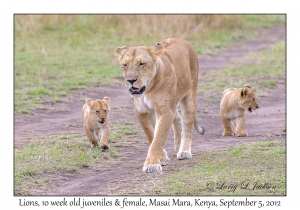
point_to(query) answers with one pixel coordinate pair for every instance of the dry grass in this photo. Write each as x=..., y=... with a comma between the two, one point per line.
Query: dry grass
x=134, y=24
x=58, y=53
x=159, y=26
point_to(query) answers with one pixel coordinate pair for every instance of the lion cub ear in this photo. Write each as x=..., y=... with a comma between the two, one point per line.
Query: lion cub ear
x=89, y=102
x=245, y=91
x=157, y=48
x=120, y=51
x=248, y=86
x=106, y=99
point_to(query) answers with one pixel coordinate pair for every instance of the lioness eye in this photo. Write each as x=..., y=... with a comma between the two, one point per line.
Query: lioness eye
x=124, y=64
x=104, y=110
x=253, y=99
x=141, y=64
x=97, y=111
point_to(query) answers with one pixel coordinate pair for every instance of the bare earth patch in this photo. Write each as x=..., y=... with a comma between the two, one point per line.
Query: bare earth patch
x=265, y=124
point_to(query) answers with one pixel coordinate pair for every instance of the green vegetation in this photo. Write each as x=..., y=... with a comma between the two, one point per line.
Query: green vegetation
x=261, y=165
x=266, y=68
x=210, y=100
x=121, y=131
x=55, y=54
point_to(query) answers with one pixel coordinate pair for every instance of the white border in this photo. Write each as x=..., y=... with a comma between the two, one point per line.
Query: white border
x=8, y=201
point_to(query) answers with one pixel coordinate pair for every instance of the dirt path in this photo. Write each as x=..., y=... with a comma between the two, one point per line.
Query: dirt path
x=266, y=123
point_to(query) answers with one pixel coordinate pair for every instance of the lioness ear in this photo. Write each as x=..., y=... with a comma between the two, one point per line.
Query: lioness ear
x=120, y=51
x=157, y=48
x=89, y=102
x=106, y=99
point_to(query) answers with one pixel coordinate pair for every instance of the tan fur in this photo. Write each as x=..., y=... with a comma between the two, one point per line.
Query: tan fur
x=169, y=73
x=233, y=108
x=96, y=121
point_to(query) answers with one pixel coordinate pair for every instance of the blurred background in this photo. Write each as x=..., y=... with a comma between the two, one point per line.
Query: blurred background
x=54, y=54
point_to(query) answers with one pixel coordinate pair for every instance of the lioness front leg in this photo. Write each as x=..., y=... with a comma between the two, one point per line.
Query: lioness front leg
x=177, y=128
x=147, y=121
x=240, y=126
x=227, y=127
x=105, y=132
x=157, y=155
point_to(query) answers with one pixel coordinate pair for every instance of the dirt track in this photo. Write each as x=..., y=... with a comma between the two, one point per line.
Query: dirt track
x=266, y=123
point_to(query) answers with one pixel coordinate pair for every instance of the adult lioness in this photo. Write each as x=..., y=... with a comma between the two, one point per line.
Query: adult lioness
x=159, y=79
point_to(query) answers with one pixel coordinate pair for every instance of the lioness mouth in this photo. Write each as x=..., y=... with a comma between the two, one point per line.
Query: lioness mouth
x=134, y=90
x=249, y=109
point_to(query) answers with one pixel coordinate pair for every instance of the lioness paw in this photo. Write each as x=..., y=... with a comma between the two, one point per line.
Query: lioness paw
x=184, y=155
x=152, y=168
x=165, y=161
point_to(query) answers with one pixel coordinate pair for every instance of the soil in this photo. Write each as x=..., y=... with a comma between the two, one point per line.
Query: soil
x=266, y=123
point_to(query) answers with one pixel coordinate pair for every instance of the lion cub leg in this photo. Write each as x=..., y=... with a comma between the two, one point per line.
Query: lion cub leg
x=227, y=126
x=177, y=128
x=105, y=132
x=90, y=133
x=240, y=126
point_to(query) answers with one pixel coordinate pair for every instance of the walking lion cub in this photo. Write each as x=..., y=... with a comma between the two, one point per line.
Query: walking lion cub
x=96, y=121
x=233, y=108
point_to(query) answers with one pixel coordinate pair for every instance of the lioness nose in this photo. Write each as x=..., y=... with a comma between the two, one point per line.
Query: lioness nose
x=131, y=81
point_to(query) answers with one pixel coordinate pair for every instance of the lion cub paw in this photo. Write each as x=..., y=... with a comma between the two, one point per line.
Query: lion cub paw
x=227, y=133
x=241, y=134
x=184, y=155
x=152, y=168
x=104, y=146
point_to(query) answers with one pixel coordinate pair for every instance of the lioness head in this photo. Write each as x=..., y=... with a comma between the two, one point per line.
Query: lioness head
x=139, y=65
x=99, y=109
x=248, y=99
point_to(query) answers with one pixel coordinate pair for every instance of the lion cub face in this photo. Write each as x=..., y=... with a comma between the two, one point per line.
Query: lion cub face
x=138, y=66
x=248, y=99
x=99, y=109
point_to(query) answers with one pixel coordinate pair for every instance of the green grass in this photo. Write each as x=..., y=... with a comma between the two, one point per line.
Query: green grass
x=268, y=66
x=55, y=54
x=210, y=100
x=231, y=172
x=120, y=132
x=40, y=161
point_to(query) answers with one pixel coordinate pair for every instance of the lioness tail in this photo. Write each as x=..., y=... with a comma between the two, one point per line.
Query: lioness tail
x=198, y=128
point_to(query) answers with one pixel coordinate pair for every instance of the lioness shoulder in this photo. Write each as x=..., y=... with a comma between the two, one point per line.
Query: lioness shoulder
x=96, y=121
x=233, y=106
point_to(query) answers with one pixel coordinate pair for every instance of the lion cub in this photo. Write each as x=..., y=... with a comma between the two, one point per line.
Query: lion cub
x=96, y=121
x=233, y=108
